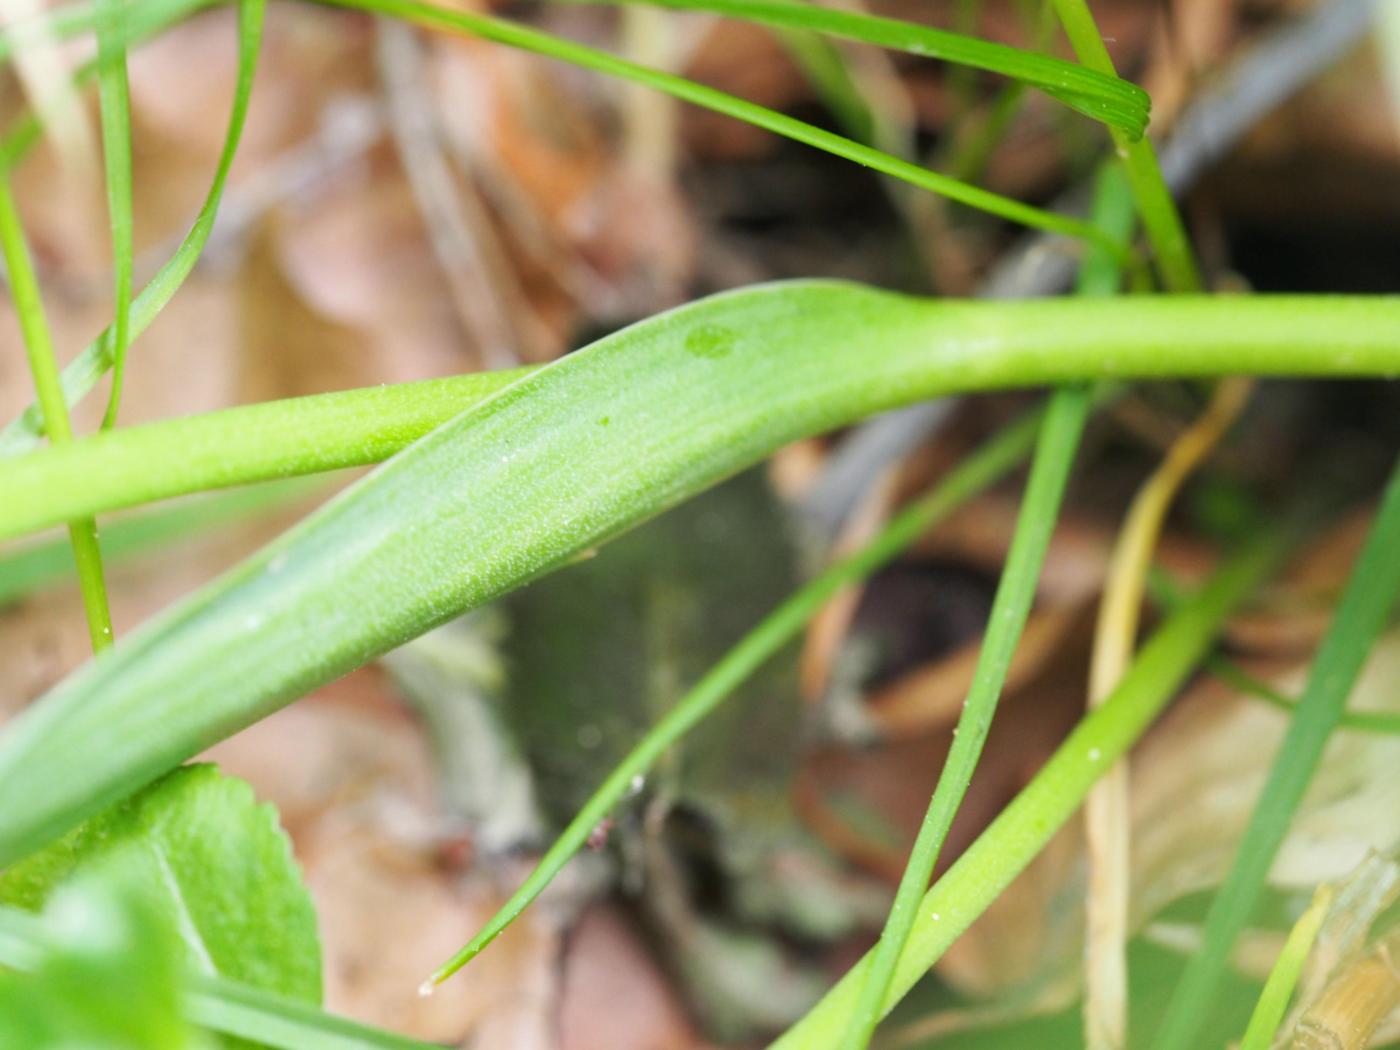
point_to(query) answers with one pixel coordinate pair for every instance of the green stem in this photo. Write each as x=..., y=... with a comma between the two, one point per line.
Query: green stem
x=1019, y=833
x=959, y=346
x=971, y=476
x=235, y=446
x=1160, y=218
x=38, y=344
x=115, y=102
x=1365, y=606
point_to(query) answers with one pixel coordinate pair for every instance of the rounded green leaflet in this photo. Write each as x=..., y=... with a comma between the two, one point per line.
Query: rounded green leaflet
x=213, y=861
x=575, y=453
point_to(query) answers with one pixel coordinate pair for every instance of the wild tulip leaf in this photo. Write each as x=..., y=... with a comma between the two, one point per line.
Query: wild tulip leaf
x=217, y=865
x=573, y=454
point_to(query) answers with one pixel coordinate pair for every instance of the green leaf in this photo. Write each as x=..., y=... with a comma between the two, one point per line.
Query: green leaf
x=574, y=453
x=216, y=1003
x=214, y=862
x=106, y=975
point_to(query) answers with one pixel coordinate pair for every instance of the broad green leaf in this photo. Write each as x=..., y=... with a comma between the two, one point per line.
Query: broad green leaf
x=573, y=454
x=214, y=862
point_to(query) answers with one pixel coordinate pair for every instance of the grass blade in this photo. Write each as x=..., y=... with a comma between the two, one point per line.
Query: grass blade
x=1102, y=97
x=1382, y=722
x=1023, y=828
x=527, y=39
x=83, y=373
x=1011, y=606
x=38, y=344
x=971, y=476
x=1365, y=606
x=1040, y=509
x=977, y=346
x=115, y=101
x=1160, y=219
x=573, y=454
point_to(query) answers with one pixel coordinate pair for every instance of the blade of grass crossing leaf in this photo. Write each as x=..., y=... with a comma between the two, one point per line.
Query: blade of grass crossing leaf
x=971, y=476
x=1382, y=722
x=572, y=454
x=1040, y=509
x=1059, y=438
x=1023, y=828
x=38, y=344
x=527, y=39
x=1160, y=219
x=1366, y=603
x=1283, y=978
x=83, y=373
x=115, y=103
x=1096, y=94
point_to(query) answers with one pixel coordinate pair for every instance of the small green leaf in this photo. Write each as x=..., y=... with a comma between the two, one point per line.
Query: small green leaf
x=211, y=859
x=108, y=973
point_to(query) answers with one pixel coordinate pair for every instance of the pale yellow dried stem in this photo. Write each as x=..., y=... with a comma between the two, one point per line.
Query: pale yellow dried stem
x=1106, y=811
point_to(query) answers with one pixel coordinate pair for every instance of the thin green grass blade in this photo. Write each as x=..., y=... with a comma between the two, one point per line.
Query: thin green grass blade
x=1366, y=604
x=38, y=344
x=1040, y=509
x=1102, y=97
x=1024, y=827
x=1380, y=722
x=226, y=1006
x=527, y=39
x=574, y=453
x=84, y=372
x=1023, y=344
x=115, y=102
x=1176, y=260
x=1011, y=607
x=974, y=474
